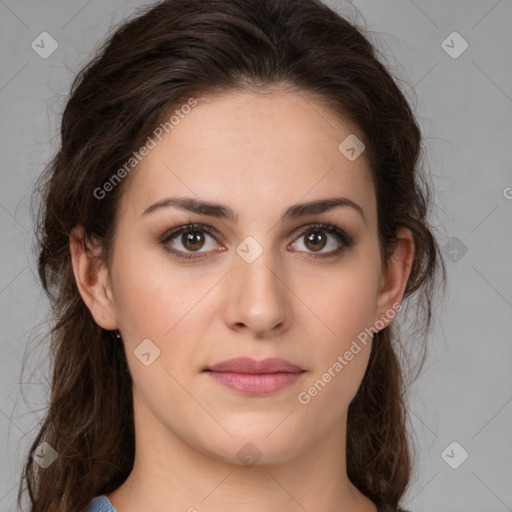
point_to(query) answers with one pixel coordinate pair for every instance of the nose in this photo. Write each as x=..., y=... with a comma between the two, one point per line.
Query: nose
x=257, y=298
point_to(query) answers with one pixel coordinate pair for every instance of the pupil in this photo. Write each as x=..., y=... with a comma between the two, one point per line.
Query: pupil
x=314, y=237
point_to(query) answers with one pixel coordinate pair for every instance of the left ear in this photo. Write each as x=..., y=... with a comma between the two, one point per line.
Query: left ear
x=395, y=275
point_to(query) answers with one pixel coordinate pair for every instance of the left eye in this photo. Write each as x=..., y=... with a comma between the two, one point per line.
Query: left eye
x=317, y=240
x=193, y=237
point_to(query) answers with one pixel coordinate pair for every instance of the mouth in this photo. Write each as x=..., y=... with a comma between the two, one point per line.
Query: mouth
x=253, y=377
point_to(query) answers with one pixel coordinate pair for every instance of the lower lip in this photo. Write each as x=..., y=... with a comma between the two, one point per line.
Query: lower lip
x=255, y=383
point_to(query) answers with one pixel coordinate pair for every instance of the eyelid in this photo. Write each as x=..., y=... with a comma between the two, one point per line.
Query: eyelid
x=191, y=226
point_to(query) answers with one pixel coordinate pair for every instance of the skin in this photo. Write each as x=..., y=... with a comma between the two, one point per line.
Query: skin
x=257, y=154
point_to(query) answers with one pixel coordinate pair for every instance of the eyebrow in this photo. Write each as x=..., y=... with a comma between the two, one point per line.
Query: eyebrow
x=224, y=212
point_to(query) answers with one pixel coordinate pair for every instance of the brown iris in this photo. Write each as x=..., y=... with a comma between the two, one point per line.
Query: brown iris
x=192, y=239
x=315, y=238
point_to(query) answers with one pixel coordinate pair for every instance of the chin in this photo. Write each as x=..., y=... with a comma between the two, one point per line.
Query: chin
x=262, y=445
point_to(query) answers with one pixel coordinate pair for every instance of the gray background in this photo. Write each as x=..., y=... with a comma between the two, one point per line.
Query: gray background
x=464, y=106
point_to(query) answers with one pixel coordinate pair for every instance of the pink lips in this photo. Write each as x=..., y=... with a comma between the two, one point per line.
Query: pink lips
x=255, y=377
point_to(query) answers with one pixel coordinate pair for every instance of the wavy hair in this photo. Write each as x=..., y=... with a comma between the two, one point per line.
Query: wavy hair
x=153, y=62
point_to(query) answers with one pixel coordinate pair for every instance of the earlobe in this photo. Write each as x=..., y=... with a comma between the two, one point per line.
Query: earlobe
x=395, y=276
x=92, y=280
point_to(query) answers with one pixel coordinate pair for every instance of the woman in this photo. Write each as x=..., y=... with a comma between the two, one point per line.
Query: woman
x=231, y=224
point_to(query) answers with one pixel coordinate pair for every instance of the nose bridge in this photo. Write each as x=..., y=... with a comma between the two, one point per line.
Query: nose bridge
x=257, y=295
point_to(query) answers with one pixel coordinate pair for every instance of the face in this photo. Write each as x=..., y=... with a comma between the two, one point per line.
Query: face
x=247, y=279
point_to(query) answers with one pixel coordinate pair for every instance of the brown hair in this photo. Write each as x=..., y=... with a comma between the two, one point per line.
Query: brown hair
x=172, y=51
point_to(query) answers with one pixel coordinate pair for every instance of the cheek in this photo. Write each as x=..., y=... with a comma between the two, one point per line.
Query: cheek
x=339, y=367
x=341, y=302
x=344, y=302
x=151, y=298
x=157, y=302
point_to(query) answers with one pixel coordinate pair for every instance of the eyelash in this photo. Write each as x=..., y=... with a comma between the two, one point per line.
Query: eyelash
x=345, y=241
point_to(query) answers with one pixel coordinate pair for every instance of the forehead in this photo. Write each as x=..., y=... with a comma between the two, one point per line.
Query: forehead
x=255, y=152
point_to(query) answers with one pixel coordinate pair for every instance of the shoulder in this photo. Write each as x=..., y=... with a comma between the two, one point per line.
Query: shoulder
x=101, y=504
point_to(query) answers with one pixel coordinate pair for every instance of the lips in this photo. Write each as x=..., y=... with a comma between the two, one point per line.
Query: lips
x=248, y=365
x=253, y=377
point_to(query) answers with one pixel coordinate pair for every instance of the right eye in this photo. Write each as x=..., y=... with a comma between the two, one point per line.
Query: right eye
x=192, y=238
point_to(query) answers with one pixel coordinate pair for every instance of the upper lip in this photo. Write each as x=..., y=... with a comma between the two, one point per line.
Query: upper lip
x=248, y=365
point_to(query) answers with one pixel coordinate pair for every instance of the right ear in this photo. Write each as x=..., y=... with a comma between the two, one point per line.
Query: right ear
x=92, y=279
